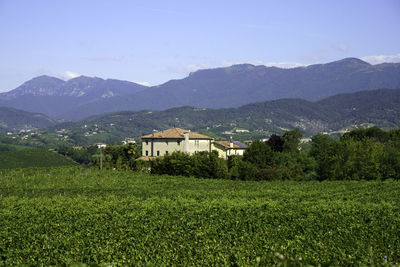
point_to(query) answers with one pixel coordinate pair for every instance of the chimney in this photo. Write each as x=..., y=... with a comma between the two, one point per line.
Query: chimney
x=186, y=143
x=231, y=144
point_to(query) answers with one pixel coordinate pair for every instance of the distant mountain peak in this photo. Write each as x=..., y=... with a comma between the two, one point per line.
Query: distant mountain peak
x=44, y=77
x=240, y=67
x=41, y=85
x=351, y=60
x=85, y=78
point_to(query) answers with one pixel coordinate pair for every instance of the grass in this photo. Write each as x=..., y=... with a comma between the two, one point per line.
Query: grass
x=67, y=215
x=13, y=147
x=32, y=158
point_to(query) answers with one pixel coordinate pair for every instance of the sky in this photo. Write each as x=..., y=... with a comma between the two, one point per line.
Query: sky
x=151, y=42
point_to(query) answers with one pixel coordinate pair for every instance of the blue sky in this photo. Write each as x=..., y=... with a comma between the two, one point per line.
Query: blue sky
x=152, y=42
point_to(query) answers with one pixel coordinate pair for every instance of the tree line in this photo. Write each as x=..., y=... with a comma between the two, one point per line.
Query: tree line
x=121, y=157
x=362, y=154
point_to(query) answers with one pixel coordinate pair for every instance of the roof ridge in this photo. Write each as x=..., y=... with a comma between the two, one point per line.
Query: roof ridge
x=176, y=129
x=177, y=133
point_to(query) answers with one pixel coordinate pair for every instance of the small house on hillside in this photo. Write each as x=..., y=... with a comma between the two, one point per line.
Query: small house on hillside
x=100, y=145
x=128, y=141
x=229, y=148
x=175, y=139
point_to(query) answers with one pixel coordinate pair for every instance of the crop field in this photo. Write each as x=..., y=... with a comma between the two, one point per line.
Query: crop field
x=68, y=215
x=32, y=158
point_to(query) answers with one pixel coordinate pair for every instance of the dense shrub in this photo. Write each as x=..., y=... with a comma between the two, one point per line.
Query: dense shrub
x=177, y=163
x=82, y=156
x=209, y=165
x=202, y=165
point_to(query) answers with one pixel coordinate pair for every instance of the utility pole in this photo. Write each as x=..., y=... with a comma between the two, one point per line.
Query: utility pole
x=101, y=159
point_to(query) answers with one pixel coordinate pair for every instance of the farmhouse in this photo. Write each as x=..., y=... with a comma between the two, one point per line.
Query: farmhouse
x=100, y=145
x=229, y=148
x=175, y=139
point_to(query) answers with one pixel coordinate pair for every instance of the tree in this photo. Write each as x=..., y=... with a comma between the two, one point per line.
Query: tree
x=390, y=162
x=209, y=165
x=275, y=142
x=324, y=150
x=374, y=133
x=122, y=156
x=246, y=171
x=292, y=140
x=177, y=163
x=259, y=154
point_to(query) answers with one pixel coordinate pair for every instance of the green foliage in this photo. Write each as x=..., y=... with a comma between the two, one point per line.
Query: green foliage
x=366, y=154
x=141, y=166
x=275, y=142
x=177, y=163
x=209, y=165
x=83, y=155
x=71, y=216
x=390, y=162
x=324, y=150
x=244, y=170
x=291, y=140
x=360, y=155
x=121, y=157
x=4, y=147
x=32, y=158
x=259, y=154
x=202, y=165
x=277, y=159
x=374, y=133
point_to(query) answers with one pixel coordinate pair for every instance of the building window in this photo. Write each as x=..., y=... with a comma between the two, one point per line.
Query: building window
x=166, y=152
x=158, y=153
x=178, y=142
x=196, y=143
x=166, y=142
x=147, y=152
x=147, y=142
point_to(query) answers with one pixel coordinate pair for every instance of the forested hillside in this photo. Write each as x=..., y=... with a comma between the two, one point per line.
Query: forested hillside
x=377, y=107
x=13, y=120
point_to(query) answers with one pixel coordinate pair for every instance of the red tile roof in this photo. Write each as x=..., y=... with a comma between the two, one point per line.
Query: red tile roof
x=226, y=144
x=175, y=133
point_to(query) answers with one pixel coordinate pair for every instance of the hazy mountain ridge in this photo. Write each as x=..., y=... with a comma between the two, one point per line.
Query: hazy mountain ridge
x=40, y=86
x=377, y=107
x=13, y=120
x=242, y=84
x=54, y=96
x=227, y=87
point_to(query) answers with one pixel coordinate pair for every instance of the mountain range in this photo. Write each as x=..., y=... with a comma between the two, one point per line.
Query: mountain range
x=53, y=96
x=228, y=87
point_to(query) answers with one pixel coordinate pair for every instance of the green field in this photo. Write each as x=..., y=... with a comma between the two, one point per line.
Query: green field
x=32, y=158
x=66, y=215
x=13, y=147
